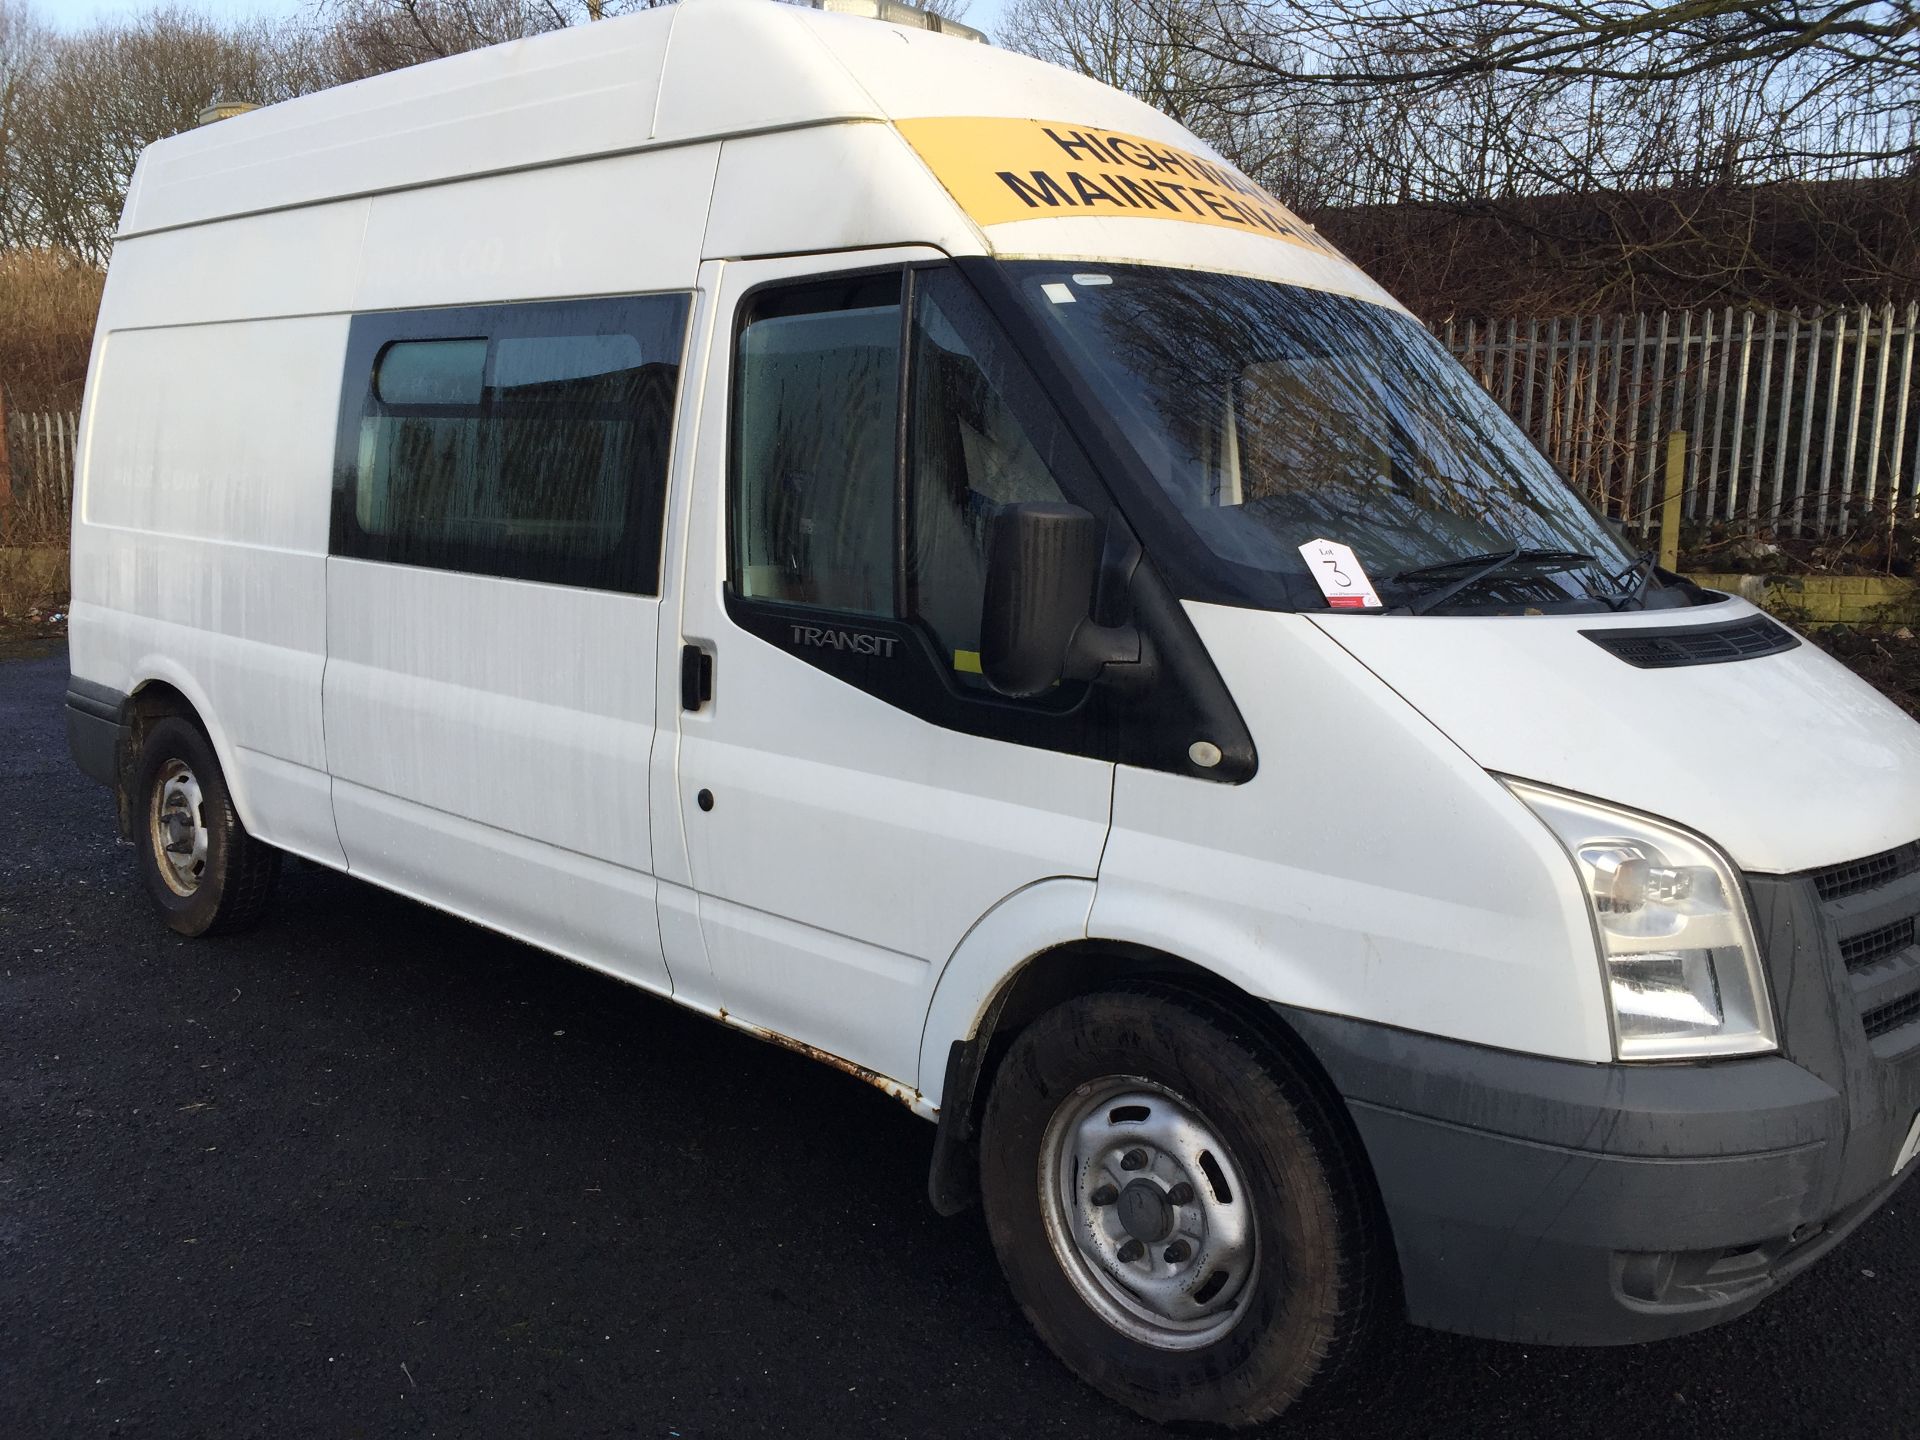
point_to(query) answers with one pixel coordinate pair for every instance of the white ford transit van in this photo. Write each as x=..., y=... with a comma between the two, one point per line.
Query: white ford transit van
x=901, y=549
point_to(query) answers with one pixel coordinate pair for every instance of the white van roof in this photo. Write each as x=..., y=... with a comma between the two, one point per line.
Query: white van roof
x=1035, y=160
x=700, y=70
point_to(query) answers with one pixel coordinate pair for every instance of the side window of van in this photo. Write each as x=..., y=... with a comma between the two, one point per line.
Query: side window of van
x=526, y=441
x=816, y=431
x=844, y=502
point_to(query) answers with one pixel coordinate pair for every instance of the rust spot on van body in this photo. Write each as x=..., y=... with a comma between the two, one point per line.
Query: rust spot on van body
x=905, y=1094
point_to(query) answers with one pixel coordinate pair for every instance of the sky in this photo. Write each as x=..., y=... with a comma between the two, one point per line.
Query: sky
x=78, y=14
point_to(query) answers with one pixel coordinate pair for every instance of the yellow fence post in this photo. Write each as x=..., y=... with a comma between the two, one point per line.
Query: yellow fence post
x=1670, y=505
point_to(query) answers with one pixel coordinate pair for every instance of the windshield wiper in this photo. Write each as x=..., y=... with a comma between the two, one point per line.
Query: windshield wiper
x=1633, y=582
x=1491, y=563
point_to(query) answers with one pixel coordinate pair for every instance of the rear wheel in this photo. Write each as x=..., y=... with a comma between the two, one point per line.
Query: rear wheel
x=198, y=863
x=1176, y=1210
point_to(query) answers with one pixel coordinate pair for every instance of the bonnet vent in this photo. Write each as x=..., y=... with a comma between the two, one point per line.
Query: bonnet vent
x=1667, y=648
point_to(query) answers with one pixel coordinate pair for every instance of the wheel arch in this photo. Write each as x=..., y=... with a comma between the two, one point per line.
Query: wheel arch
x=1090, y=965
x=164, y=689
x=1063, y=970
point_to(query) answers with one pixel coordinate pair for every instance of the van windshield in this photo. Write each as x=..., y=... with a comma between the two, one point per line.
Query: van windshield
x=1268, y=416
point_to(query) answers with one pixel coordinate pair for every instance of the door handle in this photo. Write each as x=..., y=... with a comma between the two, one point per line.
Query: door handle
x=696, y=677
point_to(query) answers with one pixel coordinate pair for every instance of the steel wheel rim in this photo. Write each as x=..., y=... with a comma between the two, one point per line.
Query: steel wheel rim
x=1148, y=1213
x=177, y=829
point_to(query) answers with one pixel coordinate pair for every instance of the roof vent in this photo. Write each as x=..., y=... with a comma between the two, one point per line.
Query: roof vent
x=895, y=13
x=220, y=108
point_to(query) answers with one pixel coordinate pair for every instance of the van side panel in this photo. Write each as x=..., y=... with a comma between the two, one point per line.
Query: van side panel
x=1369, y=869
x=472, y=695
x=533, y=102
x=200, y=548
x=489, y=736
x=296, y=262
x=207, y=432
x=200, y=510
x=601, y=227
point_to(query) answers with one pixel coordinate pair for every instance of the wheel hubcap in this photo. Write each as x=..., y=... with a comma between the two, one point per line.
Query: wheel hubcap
x=1147, y=1213
x=177, y=829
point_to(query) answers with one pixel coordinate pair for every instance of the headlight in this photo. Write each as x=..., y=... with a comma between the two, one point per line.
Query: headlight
x=1676, y=945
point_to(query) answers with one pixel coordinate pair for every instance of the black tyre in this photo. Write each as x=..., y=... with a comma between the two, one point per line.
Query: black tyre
x=197, y=861
x=1177, y=1210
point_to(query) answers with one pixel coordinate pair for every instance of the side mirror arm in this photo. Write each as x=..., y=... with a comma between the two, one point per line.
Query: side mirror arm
x=1117, y=655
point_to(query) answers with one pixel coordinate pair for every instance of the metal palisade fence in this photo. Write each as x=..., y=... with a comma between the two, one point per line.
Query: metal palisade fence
x=1795, y=420
x=36, y=484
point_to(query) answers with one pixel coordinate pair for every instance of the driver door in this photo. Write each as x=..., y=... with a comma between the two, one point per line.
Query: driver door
x=852, y=796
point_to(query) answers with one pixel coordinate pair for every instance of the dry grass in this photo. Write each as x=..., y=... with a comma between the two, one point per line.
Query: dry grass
x=34, y=526
x=33, y=580
x=47, y=307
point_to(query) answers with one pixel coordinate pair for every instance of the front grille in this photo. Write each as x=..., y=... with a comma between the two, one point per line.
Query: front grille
x=1869, y=933
x=1868, y=949
x=1836, y=882
x=1891, y=1016
x=1667, y=647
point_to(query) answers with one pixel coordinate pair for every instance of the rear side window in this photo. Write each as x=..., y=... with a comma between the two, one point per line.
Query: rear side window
x=526, y=441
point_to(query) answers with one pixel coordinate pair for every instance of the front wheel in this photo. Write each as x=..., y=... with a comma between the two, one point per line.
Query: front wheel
x=197, y=861
x=1176, y=1211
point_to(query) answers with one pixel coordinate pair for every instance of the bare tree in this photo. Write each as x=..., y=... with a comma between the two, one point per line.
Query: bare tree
x=1161, y=54
x=1601, y=92
x=23, y=50
x=1550, y=151
x=97, y=99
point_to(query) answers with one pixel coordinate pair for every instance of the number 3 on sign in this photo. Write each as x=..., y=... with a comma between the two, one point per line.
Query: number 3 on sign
x=1341, y=576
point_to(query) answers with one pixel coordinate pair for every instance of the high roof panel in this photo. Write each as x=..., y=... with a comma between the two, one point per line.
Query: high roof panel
x=913, y=73
x=588, y=90
x=1094, y=169
x=699, y=70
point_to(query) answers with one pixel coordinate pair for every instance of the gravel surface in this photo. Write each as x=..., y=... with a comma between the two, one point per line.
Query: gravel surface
x=371, y=1171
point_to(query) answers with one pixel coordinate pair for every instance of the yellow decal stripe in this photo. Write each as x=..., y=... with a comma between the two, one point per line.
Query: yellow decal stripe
x=1000, y=170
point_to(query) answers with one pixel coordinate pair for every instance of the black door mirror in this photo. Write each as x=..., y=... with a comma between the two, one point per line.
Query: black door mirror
x=1036, y=623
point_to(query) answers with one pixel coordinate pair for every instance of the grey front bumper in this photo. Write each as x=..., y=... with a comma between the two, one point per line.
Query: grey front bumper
x=1557, y=1203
